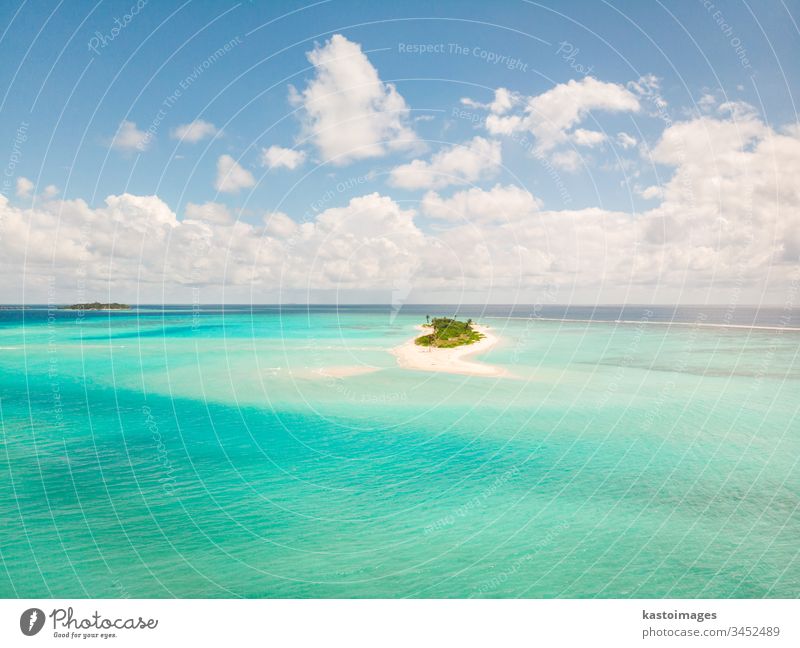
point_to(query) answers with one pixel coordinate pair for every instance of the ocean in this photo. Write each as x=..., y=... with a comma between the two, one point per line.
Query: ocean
x=272, y=451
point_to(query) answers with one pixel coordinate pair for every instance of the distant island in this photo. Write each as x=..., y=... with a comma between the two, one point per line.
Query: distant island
x=449, y=333
x=96, y=306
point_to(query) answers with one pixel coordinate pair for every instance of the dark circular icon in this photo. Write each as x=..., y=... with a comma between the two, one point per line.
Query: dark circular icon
x=31, y=621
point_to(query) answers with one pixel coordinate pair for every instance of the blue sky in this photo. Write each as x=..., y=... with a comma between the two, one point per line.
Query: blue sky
x=70, y=82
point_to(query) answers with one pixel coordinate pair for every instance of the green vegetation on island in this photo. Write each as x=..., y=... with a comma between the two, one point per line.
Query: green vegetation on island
x=449, y=333
x=97, y=306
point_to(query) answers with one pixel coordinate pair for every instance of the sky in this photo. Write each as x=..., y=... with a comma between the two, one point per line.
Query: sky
x=364, y=152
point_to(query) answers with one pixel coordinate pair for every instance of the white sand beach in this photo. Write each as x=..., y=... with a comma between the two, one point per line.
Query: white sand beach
x=458, y=360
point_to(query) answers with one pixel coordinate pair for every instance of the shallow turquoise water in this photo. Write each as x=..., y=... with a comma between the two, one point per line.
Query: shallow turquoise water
x=200, y=454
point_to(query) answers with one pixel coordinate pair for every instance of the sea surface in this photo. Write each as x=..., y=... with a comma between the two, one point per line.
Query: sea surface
x=280, y=452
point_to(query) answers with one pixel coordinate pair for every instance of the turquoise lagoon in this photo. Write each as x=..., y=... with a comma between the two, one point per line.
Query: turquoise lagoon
x=280, y=452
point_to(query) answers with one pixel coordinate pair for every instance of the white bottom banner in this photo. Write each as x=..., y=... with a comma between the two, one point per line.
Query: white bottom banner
x=416, y=623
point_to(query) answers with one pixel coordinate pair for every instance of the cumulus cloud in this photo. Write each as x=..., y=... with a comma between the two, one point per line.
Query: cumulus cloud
x=458, y=164
x=590, y=138
x=351, y=246
x=129, y=138
x=731, y=207
x=139, y=245
x=498, y=204
x=346, y=110
x=194, y=131
x=727, y=218
x=24, y=187
x=550, y=116
x=275, y=157
x=231, y=176
x=279, y=225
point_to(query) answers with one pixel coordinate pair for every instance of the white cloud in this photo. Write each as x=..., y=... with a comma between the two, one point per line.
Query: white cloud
x=708, y=140
x=131, y=245
x=727, y=219
x=504, y=100
x=351, y=246
x=648, y=193
x=707, y=101
x=625, y=140
x=549, y=116
x=194, y=131
x=567, y=160
x=129, y=138
x=458, y=164
x=347, y=111
x=590, y=138
x=499, y=204
x=279, y=225
x=648, y=87
x=738, y=109
x=24, y=187
x=231, y=176
x=731, y=207
x=275, y=157
x=209, y=212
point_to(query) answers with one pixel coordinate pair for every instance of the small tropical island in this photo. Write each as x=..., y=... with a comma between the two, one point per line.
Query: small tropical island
x=448, y=346
x=449, y=333
x=96, y=306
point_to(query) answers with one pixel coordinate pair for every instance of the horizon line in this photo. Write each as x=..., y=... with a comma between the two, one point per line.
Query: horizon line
x=390, y=305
